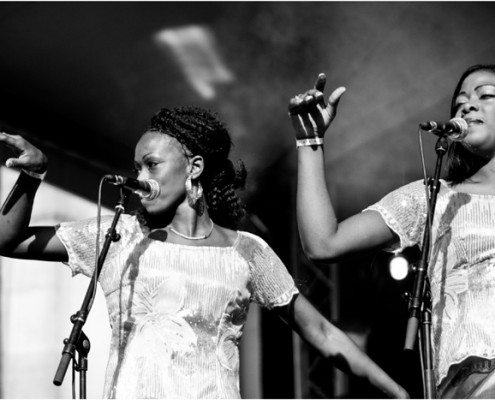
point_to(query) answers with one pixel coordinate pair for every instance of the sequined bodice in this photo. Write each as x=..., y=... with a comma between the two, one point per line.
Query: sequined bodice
x=461, y=270
x=176, y=311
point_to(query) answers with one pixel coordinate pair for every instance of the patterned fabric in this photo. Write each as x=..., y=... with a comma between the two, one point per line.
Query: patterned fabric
x=474, y=378
x=461, y=270
x=176, y=312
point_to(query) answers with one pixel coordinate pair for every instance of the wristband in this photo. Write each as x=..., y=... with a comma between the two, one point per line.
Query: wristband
x=35, y=175
x=316, y=141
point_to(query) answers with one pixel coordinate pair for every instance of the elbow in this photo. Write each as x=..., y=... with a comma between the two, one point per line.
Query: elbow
x=320, y=252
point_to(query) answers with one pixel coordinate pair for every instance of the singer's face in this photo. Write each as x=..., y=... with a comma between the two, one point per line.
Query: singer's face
x=476, y=104
x=162, y=158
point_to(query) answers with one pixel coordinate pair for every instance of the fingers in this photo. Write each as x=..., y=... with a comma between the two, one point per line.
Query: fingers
x=13, y=141
x=306, y=102
x=336, y=95
x=318, y=97
x=27, y=161
x=309, y=114
x=333, y=101
x=13, y=163
x=295, y=105
x=302, y=102
x=32, y=161
x=309, y=99
x=25, y=154
x=320, y=82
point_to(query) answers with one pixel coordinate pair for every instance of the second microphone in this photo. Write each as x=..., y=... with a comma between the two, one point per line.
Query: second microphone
x=456, y=129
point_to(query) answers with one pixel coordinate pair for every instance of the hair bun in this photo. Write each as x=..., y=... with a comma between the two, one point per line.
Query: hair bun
x=240, y=174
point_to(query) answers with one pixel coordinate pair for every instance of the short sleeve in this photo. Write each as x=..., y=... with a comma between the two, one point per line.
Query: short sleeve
x=272, y=285
x=404, y=211
x=79, y=239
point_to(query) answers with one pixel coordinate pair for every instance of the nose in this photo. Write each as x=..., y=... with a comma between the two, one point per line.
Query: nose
x=469, y=106
x=143, y=175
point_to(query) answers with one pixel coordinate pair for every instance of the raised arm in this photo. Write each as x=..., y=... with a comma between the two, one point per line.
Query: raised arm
x=17, y=238
x=322, y=237
x=336, y=346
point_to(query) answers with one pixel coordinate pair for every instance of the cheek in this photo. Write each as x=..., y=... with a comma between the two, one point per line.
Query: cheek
x=491, y=123
x=480, y=142
x=171, y=179
x=172, y=192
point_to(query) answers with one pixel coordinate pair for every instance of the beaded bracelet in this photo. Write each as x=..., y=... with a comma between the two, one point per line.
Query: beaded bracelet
x=316, y=141
x=35, y=175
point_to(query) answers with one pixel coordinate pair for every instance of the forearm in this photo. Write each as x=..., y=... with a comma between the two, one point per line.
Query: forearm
x=316, y=217
x=333, y=344
x=347, y=356
x=15, y=213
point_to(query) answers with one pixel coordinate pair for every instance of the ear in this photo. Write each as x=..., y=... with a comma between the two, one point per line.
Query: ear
x=196, y=166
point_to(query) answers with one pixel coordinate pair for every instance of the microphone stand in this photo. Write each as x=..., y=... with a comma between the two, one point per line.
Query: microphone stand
x=77, y=340
x=420, y=299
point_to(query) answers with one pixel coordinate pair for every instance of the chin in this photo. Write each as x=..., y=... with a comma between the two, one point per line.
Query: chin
x=156, y=208
x=479, y=149
x=475, y=140
x=150, y=206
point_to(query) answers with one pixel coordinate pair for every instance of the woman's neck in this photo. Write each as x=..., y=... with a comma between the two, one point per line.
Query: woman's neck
x=485, y=175
x=187, y=223
x=191, y=225
x=481, y=182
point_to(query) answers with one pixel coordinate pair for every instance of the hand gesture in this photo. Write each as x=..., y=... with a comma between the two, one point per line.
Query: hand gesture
x=309, y=115
x=26, y=157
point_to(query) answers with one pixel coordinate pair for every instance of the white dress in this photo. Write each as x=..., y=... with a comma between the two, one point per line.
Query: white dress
x=176, y=311
x=461, y=271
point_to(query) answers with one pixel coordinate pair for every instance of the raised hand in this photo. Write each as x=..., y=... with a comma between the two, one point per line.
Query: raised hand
x=309, y=115
x=27, y=156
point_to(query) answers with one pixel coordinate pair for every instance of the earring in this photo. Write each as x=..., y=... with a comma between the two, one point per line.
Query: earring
x=194, y=192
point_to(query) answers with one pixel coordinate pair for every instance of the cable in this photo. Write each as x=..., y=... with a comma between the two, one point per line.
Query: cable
x=97, y=244
x=427, y=193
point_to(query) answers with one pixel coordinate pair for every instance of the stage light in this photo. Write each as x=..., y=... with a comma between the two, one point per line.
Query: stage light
x=195, y=49
x=398, y=267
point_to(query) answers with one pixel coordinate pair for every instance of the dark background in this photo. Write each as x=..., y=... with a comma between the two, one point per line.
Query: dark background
x=81, y=80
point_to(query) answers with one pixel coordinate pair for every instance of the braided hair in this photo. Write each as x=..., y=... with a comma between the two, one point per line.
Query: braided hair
x=201, y=133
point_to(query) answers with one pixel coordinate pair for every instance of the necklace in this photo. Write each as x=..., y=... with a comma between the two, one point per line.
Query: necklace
x=193, y=237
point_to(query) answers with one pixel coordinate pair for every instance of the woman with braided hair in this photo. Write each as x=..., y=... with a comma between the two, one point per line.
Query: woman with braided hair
x=179, y=282
x=212, y=141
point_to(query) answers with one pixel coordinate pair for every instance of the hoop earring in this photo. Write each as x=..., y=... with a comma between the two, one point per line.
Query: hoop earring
x=194, y=194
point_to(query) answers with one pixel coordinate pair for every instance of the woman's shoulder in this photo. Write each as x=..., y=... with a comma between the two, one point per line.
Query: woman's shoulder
x=125, y=221
x=413, y=189
x=413, y=186
x=252, y=238
x=251, y=244
x=238, y=239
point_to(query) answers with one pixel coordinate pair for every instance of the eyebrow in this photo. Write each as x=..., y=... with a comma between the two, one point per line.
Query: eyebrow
x=137, y=162
x=476, y=88
x=144, y=156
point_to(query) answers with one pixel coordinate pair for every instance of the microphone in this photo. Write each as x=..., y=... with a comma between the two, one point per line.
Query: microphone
x=147, y=189
x=456, y=129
